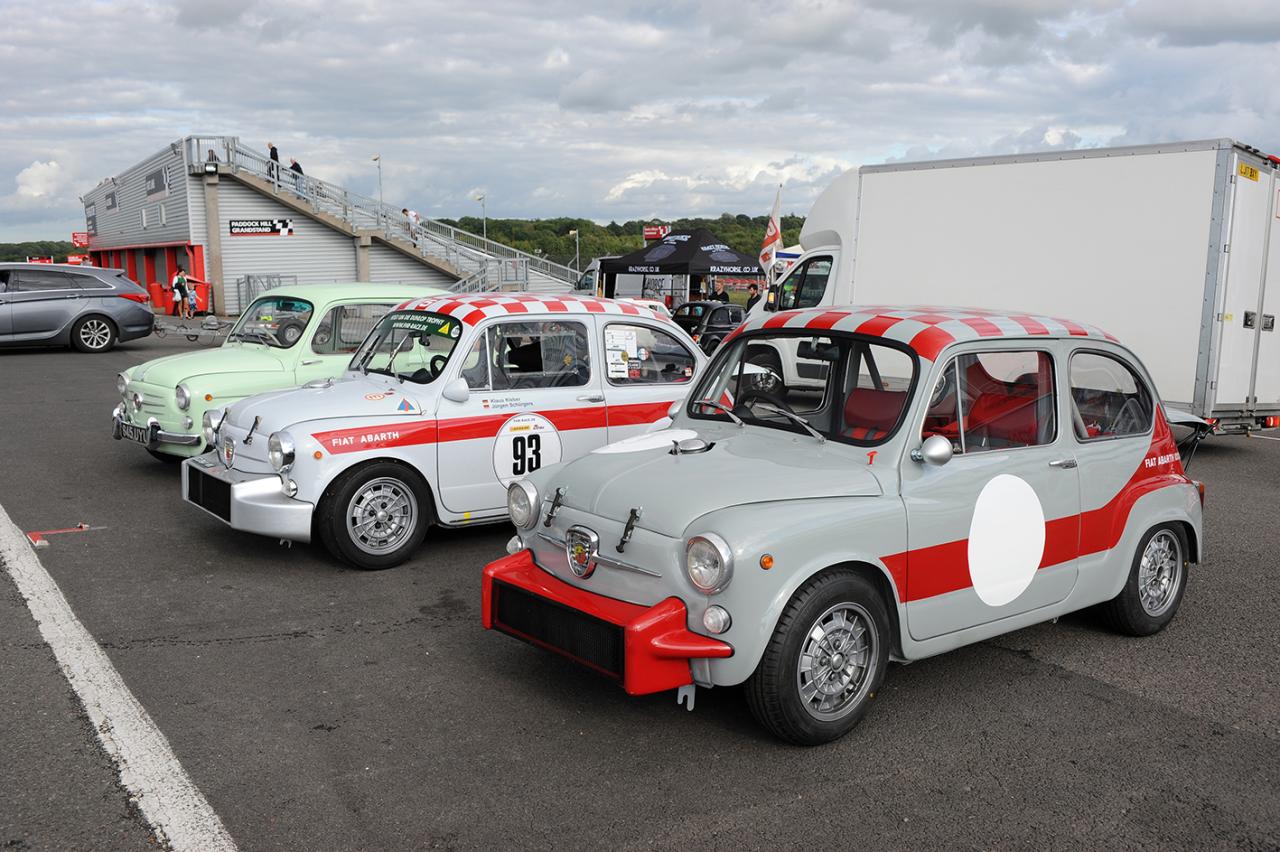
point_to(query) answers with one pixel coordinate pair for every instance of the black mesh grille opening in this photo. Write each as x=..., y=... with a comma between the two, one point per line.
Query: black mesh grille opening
x=210, y=493
x=575, y=634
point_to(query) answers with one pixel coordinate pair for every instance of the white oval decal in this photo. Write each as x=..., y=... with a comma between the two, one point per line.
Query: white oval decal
x=1006, y=539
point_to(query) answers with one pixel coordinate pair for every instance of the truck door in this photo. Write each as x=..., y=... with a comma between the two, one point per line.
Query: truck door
x=994, y=532
x=1266, y=382
x=1238, y=317
x=536, y=399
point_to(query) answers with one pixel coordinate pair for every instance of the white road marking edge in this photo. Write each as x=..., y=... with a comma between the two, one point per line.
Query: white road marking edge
x=149, y=770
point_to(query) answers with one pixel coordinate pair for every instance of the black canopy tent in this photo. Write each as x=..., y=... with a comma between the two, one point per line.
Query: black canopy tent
x=696, y=254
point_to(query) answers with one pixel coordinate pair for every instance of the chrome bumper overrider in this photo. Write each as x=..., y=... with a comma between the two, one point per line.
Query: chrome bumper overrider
x=255, y=503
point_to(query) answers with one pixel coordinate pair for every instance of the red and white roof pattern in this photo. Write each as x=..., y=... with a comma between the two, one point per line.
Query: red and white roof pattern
x=471, y=309
x=927, y=330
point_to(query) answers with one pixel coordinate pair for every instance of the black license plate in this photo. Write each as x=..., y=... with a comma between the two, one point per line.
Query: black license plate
x=209, y=493
x=137, y=434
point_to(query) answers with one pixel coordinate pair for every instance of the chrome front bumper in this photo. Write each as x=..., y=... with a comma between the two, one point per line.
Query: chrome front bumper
x=252, y=502
x=152, y=432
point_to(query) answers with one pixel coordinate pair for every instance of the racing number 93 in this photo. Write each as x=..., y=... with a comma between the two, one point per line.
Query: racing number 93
x=525, y=443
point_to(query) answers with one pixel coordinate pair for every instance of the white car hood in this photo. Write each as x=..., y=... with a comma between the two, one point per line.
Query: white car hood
x=352, y=396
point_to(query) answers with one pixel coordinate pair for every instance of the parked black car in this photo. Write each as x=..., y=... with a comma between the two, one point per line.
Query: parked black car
x=44, y=304
x=708, y=323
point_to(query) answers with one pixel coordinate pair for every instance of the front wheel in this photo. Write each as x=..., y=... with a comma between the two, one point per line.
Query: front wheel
x=1157, y=580
x=93, y=334
x=825, y=661
x=374, y=516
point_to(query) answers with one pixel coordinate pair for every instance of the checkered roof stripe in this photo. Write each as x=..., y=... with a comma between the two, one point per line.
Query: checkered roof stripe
x=927, y=330
x=480, y=306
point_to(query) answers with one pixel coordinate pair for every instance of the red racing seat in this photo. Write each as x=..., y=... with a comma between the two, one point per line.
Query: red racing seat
x=870, y=414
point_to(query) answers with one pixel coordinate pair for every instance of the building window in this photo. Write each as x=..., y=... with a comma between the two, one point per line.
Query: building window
x=143, y=217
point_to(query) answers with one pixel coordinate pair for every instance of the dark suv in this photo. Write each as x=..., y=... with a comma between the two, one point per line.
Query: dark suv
x=91, y=309
x=709, y=322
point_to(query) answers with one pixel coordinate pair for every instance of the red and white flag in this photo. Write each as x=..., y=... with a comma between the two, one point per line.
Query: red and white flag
x=772, y=237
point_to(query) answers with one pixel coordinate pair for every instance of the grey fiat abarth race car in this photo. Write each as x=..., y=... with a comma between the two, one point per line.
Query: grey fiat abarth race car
x=938, y=477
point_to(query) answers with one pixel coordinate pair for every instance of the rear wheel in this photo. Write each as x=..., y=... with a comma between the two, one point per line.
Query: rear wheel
x=93, y=334
x=1157, y=580
x=375, y=516
x=825, y=661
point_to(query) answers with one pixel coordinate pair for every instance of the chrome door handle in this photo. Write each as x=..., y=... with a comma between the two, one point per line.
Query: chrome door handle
x=309, y=363
x=591, y=397
x=1065, y=464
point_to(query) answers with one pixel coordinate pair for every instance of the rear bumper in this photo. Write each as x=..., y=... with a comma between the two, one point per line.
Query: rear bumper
x=645, y=649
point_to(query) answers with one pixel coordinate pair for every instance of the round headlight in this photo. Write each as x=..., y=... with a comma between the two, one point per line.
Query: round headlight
x=182, y=396
x=708, y=562
x=522, y=504
x=122, y=384
x=280, y=451
x=209, y=425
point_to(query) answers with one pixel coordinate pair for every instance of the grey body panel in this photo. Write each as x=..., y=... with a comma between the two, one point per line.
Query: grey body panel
x=30, y=317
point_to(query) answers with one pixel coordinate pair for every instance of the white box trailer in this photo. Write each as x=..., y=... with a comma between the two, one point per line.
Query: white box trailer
x=1172, y=248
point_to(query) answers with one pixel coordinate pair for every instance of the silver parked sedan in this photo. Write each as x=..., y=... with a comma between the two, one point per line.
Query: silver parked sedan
x=85, y=307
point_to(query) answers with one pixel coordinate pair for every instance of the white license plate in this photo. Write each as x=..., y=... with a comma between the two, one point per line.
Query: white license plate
x=137, y=434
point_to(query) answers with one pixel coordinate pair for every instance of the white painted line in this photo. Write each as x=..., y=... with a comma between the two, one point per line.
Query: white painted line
x=149, y=770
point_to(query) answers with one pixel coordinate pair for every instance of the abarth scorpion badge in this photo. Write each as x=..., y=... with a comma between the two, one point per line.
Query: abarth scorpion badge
x=581, y=546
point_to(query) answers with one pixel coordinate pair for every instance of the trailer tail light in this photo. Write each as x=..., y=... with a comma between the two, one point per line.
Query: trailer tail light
x=1270, y=422
x=1200, y=489
x=140, y=298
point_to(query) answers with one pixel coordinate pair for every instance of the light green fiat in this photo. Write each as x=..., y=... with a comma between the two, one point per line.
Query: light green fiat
x=285, y=338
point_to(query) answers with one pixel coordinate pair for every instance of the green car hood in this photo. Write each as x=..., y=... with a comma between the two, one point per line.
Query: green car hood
x=173, y=370
x=752, y=466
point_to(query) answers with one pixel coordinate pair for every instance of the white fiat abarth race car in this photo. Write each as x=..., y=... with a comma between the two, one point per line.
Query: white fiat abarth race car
x=447, y=402
x=937, y=478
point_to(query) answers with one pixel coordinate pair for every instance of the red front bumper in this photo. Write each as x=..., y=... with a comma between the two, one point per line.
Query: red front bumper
x=646, y=649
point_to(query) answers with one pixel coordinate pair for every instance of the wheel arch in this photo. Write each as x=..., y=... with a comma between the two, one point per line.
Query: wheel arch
x=335, y=475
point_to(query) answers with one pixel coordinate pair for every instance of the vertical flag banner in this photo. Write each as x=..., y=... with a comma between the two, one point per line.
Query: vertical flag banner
x=772, y=238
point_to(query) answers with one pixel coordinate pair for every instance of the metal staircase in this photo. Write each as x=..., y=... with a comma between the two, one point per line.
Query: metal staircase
x=480, y=263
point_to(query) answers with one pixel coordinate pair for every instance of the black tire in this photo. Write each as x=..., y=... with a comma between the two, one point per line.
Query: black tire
x=1133, y=614
x=336, y=534
x=164, y=457
x=94, y=333
x=774, y=692
x=769, y=360
x=290, y=333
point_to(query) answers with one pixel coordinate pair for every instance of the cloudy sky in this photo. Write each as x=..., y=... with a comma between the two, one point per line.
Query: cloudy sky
x=611, y=110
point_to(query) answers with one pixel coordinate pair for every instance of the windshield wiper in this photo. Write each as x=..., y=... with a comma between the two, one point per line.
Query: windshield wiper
x=794, y=418
x=720, y=406
x=261, y=336
x=408, y=338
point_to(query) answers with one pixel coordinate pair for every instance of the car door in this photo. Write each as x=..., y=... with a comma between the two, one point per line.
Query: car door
x=646, y=369
x=334, y=339
x=6, y=312
x=535, y=399
x=994, y=531
x=45, y=302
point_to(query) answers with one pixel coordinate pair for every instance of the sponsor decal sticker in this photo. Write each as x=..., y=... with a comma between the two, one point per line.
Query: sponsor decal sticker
x=524, y=444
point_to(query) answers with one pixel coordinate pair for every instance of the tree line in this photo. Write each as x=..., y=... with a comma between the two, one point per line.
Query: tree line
x=57, y=249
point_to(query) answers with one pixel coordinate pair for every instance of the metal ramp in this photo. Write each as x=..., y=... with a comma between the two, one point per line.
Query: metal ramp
x=479, y=263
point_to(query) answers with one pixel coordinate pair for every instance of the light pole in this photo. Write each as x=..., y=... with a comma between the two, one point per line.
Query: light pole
x=577, y=264
x=377, y=158
x=484, y=216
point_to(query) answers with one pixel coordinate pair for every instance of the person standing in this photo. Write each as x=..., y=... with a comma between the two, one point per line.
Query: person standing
x=414, y=221
x=179, y=287
x=719, y=295
x=753, y=296
x=191, y=298
x=295, y=166
x=273, y=167
x=299, y=185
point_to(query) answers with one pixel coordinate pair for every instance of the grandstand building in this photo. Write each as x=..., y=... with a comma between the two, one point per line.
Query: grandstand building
x=228, y=215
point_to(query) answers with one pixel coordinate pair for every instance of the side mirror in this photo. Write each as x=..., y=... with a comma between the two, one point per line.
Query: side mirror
x=674, y=408
x=936, y=450
x=457, y=390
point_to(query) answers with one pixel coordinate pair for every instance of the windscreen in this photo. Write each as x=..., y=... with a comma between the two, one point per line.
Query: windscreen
x=276, y=321
x=411, y=345
x=847, y=388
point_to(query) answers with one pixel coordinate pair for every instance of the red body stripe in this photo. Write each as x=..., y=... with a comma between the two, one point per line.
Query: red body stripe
x=984, y=327
x=827, y=320
x=877, y=326
x=1073, y=329
x=778, y=320
x=931, y=341
x=1031, y=326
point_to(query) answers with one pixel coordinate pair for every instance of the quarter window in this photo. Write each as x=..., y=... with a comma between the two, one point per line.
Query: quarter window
x=994, y=401
x=546, y=354
x=806, y=285
x=640, y=355
x=344, y=327
x=1108, y=400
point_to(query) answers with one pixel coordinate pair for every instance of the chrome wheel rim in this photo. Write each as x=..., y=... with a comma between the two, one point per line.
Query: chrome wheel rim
x=291, y=334
x=95, y=333
x=1160, y=573
x=769, y=382
x=381, y=516
x=836, y=660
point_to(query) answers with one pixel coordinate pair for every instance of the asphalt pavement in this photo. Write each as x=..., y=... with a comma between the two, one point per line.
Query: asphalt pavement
x=321, y=707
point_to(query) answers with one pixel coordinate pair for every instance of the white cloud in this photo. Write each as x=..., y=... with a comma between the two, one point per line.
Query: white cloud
x=39, y=180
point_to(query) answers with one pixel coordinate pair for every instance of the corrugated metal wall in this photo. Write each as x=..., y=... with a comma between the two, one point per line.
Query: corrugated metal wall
x=315, y=253
x=166, y=209
x=388, y=266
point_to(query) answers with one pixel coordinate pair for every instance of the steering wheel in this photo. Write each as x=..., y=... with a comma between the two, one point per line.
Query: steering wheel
x=437, y=365
x=1129, y=420
x=942, y=388
x=752, y=395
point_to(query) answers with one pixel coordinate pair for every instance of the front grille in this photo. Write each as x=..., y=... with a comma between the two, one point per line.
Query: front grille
x=581, y=637
x=210, y=493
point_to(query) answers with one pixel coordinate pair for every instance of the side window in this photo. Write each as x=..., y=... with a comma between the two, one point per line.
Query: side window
x=736, y=316
x=639, y=355
x=539, y=354
x=1108, y=400
x=4, y=280
x=806, y=285
x=476, y=366
x=994, y=401
x=88, y=282
x=344, y=328
x=38, y=279
x=719, y=317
